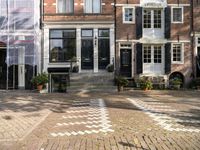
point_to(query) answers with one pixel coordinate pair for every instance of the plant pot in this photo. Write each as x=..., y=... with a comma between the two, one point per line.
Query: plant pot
x=120, y=88
x=198, y=87
x=177, y=87
x=39, y=87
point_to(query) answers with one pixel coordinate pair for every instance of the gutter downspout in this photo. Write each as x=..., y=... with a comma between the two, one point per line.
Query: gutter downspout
x=115, y=36
x=42, y=33
x=192, y=38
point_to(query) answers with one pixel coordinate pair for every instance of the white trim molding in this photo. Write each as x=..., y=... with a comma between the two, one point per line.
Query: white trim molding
x=182, y=53
x=182, y=17
x=124, y=17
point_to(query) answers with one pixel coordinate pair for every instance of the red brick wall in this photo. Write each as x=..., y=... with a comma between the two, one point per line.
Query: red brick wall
x=196, y=16
x=182, y=29
x=51, y=15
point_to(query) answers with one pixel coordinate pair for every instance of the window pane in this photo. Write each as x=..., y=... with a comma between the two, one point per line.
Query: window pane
x=86, y=33
x=198, y=40
x=147, y=19
x=96, y=6
x=147, y=54
x=69, y=6
x=157, y=54
x=128, y=16
x=62, y=45
x=88, y=6
x=177, y=14
x=69, y=33
x=177, y=52
x=157, y=18
x=61, y=7
x=104, y=33
x=56, y=34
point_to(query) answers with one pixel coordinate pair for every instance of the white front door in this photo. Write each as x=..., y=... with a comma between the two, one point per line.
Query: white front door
x=153, y=59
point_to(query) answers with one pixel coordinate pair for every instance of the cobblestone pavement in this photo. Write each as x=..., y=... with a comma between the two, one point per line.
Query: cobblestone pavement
x=152, y=120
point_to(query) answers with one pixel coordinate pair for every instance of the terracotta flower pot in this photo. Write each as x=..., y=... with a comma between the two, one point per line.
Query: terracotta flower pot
x=120, y=88
x=39, y=87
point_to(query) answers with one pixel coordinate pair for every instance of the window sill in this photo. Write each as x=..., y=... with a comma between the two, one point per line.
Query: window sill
x=177, y=22
x=124, y=22
x=177, y=63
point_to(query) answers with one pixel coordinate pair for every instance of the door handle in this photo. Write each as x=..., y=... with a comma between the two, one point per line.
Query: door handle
x=21, y=69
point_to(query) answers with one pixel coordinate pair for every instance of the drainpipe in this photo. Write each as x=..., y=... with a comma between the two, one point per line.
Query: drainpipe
x=42, y=33
x=192, y=37
x=115, y=36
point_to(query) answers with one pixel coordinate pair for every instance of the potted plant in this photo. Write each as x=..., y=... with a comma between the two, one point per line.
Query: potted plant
x=110, y=68
x=175, y=83
x=121, y=82
x=75, y=68
x=146, y=84
x=40, y=80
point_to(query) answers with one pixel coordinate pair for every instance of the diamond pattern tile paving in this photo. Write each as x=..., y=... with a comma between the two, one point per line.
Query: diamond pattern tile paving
x=161, y=114
x=87, y=118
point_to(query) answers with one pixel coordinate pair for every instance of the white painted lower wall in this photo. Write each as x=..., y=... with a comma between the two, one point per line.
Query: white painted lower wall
x=78, y=27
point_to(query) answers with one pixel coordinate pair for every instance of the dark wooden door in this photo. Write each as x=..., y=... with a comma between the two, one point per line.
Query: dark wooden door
x=87, y=54
x=125, y=62
x=198, y=62
x=3, y=69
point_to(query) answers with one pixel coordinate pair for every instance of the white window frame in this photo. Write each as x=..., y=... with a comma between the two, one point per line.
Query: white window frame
x=123, y=15
x=63, y=12
x=172, y=16
x=182, y=53
x=92, y=8
x=152, y=19
x=152, y=63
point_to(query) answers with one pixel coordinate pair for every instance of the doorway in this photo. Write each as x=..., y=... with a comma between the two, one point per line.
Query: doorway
x=198, y=62
x=125, y=62
x=3, y=69
x=87, y=49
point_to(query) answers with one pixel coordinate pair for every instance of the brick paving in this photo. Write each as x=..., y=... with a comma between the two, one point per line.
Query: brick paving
x=155, y=120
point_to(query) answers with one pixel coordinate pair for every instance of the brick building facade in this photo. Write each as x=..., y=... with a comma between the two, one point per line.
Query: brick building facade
x=80, y=30
x=141, y=37
x=196, y=36
x=153, y=38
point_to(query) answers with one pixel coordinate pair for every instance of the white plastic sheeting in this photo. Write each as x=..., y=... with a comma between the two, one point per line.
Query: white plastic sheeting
x=19, y=30
x=20, y=34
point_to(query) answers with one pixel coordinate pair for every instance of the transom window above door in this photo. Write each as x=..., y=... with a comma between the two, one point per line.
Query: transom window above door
x=65, y=6
x=177, y=15
x=152, y=18
x=92, y=6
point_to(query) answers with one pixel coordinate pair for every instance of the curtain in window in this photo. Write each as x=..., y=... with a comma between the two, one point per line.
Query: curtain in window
x=60, y=6
x=88, y=6
x=96, y=6
x=69, y=6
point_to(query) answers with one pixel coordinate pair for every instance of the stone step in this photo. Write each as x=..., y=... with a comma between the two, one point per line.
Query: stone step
x=91, y=81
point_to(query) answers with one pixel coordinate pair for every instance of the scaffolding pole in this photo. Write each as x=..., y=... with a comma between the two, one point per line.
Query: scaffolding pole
x=8, y=44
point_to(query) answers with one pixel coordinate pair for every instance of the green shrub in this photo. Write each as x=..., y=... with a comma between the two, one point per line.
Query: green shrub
x=40, y=79
x=110, y=68
x=175, y=81
x=145, y=83
x=121, y=81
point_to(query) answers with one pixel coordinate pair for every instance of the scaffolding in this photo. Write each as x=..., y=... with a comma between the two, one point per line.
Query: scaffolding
x=19, y=31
